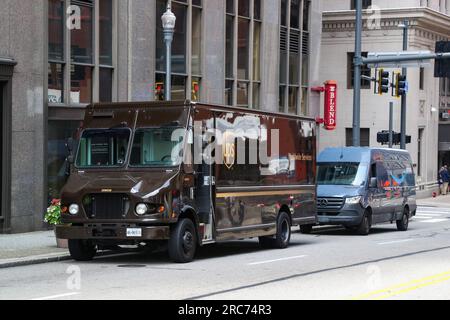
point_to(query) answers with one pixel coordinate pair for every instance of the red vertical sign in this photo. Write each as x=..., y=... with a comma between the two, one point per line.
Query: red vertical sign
x=330, y=105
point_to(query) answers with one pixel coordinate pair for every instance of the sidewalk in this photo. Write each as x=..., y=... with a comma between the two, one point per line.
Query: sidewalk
x=30, y=248
x=439, y=201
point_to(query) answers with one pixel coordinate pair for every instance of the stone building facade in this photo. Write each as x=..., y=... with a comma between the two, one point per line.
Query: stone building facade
x=429, y=22
x=57, y=56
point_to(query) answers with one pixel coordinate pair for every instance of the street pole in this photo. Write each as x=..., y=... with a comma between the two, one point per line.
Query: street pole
x=403, y=108
x=391, y=125
x=357, y=76
x=168, y=21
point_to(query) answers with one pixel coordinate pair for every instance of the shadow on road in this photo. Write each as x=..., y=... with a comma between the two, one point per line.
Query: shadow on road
x=155, y=258
x=341, y=231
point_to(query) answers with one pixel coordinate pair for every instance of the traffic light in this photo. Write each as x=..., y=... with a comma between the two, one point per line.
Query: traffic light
x=159, y=91
x=401, y=85
x=442, y=66
x=383, y=82
x=195, y=90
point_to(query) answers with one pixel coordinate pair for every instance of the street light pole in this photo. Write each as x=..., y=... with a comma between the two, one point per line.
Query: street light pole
x=405, y=73
x=168, y=22
x=357, y=77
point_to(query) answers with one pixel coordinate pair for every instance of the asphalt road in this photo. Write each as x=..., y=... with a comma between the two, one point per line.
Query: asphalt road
x=331, y=263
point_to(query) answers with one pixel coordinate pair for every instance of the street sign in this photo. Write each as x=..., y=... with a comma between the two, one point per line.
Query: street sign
x=401, y=54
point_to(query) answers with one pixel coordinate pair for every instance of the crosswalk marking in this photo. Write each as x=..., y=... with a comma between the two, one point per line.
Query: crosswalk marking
x=432, y=215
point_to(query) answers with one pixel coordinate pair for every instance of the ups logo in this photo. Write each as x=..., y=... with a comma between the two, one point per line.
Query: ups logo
x=229, y=150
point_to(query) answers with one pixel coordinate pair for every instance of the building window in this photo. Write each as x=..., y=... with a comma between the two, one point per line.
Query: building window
x=294, y=56
x=365, y=71
x=420, y=151
x=186, y=51
x=365, y=137
x=365, y=4
x=79, y=72
x=243, y=53
x=422, y=79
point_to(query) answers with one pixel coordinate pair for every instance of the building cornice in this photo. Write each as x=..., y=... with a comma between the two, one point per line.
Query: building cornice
x=429, y=23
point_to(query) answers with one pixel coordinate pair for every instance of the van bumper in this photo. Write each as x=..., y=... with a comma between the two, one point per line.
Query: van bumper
x=94, y=232
x=349, y=215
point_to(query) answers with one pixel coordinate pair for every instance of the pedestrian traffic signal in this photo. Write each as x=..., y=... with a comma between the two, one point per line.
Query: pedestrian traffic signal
x=383, y=82
x=401, y=85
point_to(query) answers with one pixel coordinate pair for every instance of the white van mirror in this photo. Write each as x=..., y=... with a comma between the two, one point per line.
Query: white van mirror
x=373, y=183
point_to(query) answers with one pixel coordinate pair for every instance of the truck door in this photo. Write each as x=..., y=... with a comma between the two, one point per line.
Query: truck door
x=204, y=173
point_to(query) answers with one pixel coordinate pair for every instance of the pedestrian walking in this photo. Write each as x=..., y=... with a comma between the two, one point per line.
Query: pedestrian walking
x=444, y=176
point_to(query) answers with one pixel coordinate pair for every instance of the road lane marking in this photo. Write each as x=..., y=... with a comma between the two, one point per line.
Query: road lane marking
x=434, y=220
x=57, y=296
x=429, y=214
x=275, y=260
x=405, y=287
x=394, y=242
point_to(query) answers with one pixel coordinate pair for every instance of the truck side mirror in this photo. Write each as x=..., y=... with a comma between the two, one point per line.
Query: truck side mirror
x=373, y=183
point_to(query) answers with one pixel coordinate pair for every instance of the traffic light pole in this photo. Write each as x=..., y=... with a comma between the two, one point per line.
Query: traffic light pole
x=357, y=76
x=403, y=108
x=391, y=125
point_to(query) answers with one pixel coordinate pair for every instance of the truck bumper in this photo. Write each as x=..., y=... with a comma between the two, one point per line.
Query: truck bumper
x=93, y=232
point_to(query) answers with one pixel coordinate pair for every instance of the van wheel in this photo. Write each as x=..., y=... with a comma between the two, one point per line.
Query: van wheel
x=306, y=229
x=82, y=250
x=283, y=235
x=403, y=223
x=183, y=242
x=364, y=228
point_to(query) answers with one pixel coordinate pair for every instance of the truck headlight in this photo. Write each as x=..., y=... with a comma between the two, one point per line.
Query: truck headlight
x=141, y=209
x=353, y=200
x=74, y=209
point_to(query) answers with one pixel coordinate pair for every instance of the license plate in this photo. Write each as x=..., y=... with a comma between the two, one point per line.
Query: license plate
x=134, y=232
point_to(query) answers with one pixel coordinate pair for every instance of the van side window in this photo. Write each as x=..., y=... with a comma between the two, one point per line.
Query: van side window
x=382, y=175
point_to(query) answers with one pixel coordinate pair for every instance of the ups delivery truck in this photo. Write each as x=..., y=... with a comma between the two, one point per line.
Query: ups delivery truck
x=187, y=174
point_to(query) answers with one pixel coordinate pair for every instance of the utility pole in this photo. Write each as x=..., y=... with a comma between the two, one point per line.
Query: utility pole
x=405, y=27
x=357, y=76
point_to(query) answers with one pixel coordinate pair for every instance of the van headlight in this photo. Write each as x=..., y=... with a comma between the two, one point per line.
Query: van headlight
x=353, y=200
x=141, y=209
x=74, y=209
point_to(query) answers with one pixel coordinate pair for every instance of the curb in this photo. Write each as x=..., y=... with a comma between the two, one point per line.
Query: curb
x=56, y=257
x=39, y=259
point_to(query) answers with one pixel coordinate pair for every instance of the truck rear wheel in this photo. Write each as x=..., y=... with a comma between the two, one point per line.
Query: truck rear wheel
x=283, y=235
x=183, y=242
x=82, y=250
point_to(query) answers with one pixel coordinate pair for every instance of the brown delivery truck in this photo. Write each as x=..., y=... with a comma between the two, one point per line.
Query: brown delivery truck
x=188, y=174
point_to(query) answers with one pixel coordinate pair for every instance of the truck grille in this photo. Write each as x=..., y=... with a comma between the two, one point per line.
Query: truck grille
x=106, y=206
x=324, y=204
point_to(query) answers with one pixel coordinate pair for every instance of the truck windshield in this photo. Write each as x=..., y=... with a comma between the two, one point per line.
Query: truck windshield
x=158, y=147
x=345, y=174
x=103, y=148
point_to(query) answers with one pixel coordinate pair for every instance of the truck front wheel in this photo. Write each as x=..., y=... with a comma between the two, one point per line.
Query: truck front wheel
x=82, y=250
x=183, y=242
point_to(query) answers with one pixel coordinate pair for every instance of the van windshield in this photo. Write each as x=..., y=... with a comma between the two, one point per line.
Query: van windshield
x=345, y=174
x=158, y=147
x=103, y=148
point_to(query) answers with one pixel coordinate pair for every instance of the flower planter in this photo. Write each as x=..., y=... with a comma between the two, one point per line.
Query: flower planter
x=62, y=243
